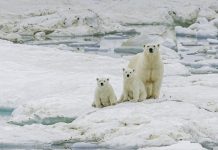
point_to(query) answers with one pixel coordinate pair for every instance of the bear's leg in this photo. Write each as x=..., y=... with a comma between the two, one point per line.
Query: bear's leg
x=130, y=95
x=121, y=98
x=136, y=94
x=98, y=102
x=143, y=95
x=93, y=104
x=156, y=89
x=149, y=90
x=125, y=96
x=113, y=100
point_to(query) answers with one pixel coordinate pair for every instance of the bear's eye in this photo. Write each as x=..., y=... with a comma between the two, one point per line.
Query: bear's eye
x=130, y=72
x=147, y=46
x=154, y=45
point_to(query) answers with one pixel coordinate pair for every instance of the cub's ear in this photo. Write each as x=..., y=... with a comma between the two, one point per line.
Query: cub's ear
x=107, y=79
x=133, y=70
x=123, y=69
x=97, y=79
x=158, y=45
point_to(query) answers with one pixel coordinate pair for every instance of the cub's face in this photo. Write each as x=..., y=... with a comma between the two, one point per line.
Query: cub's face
x=151, y=49
x=128, y=73
x=102, y=82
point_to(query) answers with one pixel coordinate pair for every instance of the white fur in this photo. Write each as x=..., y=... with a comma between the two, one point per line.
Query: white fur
x=149, y=67
x=104, y=94
x=133, y=87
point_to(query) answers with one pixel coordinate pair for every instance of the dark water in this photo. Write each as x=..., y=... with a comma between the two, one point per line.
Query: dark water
x=6, y=111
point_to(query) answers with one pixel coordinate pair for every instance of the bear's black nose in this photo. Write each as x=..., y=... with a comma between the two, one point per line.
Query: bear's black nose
x=151, y=50
x=102, y=84
x=127, y=75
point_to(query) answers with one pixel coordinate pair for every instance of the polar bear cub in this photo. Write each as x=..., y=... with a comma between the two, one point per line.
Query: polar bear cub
x=149, y=67
x=104, y=94
x=133, y=87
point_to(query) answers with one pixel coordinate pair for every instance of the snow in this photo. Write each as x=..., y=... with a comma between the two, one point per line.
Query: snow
x=176, y=69
x=51, y=89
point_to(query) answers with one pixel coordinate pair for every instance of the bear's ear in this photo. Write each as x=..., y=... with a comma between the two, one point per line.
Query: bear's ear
x=97, y=79
x=123, y=69
x=158, y=45
x=107, y=79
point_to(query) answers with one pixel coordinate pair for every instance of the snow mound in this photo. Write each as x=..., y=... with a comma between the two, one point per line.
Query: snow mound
x=149, y=124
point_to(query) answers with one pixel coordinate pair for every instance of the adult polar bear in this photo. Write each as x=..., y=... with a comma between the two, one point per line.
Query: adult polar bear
x=149, y=68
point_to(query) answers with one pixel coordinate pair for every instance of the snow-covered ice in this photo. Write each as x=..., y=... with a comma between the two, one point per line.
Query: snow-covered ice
x=52, y=92
x=94, y=17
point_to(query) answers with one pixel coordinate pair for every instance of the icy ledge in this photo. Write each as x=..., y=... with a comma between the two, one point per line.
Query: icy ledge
x=44, y=121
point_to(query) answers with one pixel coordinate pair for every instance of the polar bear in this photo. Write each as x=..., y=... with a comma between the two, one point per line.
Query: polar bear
x=104, y=94
x=133, y=87
x=149, y=67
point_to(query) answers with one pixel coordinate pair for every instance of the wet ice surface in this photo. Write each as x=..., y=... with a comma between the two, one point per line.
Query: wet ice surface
x=101, y=45
x=199, y=55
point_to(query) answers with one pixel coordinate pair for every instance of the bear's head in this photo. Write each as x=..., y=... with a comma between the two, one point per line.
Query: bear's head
x=102, y=82
x=151, y=49
x=128, y=73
